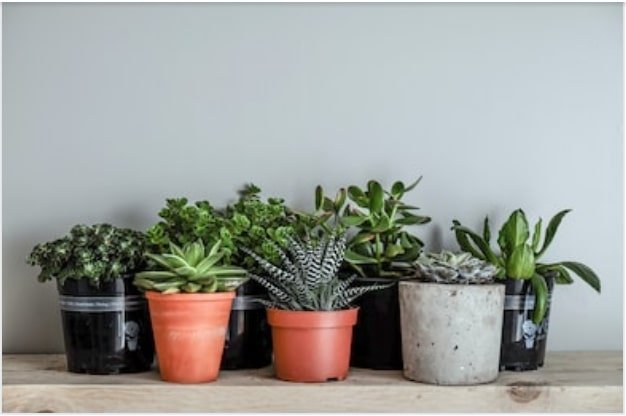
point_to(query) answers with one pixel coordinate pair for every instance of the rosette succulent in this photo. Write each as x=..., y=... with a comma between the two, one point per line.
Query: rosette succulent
x=450, y=268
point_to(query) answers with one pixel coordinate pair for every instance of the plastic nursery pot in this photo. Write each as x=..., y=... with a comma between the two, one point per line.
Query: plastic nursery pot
x=248, y=338
x=311, y=346
x=189, y=332
x=377, y=340
x=523, y=343
x=451, y=332
x=106, y=328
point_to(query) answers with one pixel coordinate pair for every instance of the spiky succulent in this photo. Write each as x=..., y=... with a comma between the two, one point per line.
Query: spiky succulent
x=307, y=279
x=190, y=269
x=98, y=252
x=447, y=267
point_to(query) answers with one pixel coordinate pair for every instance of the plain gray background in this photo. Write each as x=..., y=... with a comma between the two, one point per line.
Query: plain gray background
x=110, y=108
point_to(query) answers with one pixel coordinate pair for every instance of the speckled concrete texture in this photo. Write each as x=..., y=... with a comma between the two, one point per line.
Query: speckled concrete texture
x=451, y=333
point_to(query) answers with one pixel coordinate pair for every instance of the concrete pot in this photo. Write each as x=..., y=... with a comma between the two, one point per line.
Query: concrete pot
x=451, y=333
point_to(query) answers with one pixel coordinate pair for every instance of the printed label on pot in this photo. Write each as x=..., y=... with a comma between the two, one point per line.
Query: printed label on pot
x=101, y=303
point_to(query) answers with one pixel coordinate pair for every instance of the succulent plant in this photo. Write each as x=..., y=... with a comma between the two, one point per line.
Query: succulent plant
x=308, y=277
x=381, y=245
x=99, y=252
x=450, y=268
x=190, y=269
x=519, y=255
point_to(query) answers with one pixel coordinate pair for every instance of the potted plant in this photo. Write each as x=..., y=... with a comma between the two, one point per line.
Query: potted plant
x=310, y=309
x=249, y=222
x=380, y=250
x=451, y=320
x=190, y=294
x=529, y=283
x=105, y=318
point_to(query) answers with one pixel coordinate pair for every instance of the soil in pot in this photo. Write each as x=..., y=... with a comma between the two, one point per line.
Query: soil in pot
x=451, y=333
x=311, y=346
x=106, y=328
x=377, y=340
x=189, y=333
x=248, y=338
x=523, y=343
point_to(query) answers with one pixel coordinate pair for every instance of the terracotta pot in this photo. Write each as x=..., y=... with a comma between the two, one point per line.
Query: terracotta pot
x=189, y=332
x=311, y=346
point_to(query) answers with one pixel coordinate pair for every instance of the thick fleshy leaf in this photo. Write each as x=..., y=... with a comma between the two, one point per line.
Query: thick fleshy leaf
x=397, y=189
x=393, y=250
x=340, y=199
x=521, y=263
x=376, y=196
x=208, y=262
x=353, y=220
x=585, y=273
x=537, y=235
x=514, y=232
x=175, y=261
x=361, y=238
x=482, y=245
x=413, y=185
x=155, y=275
x=551, y=230
x=356, y=258
x=319, y=195
x=486, y=231
x=541, y=295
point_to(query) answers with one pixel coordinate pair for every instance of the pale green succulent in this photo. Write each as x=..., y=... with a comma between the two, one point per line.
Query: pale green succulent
x=190, y=269
x=447, y=267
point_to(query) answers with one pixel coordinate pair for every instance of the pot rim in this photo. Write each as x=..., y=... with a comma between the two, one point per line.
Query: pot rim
x=153, y=295
x=452, y=285
x=283, y=318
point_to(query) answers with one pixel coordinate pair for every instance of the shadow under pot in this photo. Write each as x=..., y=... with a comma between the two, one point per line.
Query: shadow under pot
x=377, y=341
x=106, y=328
x=523, y=342
x=248, y=338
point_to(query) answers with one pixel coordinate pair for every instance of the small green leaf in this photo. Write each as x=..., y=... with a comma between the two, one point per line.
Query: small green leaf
x=541, y=294
x=521, y=263
x=356, y=258
x=486, y=231
x=340, y=199
x=537, y=235
x=397, y=189
x=585, y=273
x=319, y=197
x=376, y=196
x=514, y=232
x=353, y=220
x=413, y=185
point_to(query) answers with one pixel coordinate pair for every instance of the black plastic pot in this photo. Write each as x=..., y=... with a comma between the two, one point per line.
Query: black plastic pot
x=376, y=340
x=107, y=328
x=523, y=343
x=248, y=338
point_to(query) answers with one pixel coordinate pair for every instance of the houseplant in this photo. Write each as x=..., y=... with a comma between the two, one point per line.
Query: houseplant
x=381, y=250
x=451, y=320
x=105, y=319
x=190, y=294
x=529, y=282
x=251, y=222
x=310, y=309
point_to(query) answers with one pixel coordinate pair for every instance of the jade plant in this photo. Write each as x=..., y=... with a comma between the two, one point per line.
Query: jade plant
x=250, y=222
x=190, y=269
x=450, y=268
x=520, y=252
x=381, y=245
x=99, y=253
x=307, y=278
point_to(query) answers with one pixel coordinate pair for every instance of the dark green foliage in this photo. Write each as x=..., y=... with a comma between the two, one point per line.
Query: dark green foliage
x=249, y=222
x=307, y=279
x=519, y=255
x=100, y=252
x=381, y=245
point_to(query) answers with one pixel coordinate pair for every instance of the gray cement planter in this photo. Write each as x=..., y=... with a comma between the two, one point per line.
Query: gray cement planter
x=451, y=333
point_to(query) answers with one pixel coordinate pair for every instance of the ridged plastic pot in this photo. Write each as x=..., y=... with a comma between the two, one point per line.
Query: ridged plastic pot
x=523, y=342
x=451, y=333
x=248, y=338
x=189, y=333
x=106, y=328
x=377, y=340
x=311, y=346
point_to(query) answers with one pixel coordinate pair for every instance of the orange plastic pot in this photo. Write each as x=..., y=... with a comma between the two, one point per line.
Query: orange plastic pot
x=189, y=332
x=311, y=346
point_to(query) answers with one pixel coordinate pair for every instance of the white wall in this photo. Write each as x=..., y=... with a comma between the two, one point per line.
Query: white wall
x=110, y=108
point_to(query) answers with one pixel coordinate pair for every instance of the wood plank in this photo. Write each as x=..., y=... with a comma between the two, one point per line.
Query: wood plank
x=570, y=382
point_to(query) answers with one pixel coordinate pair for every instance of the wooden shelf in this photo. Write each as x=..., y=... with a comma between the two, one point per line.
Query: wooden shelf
x=570, y=382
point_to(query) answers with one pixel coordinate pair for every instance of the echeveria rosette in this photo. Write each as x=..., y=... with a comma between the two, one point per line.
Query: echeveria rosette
x=99, y=253
x=520, y=253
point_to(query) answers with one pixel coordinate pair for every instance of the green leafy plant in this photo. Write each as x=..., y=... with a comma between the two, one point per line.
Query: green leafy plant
x=100, y=252
x=249, y=222
x=450, y=268
x=190, y=269
x=381, y=245
x=520, y=252
x=307, y=279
